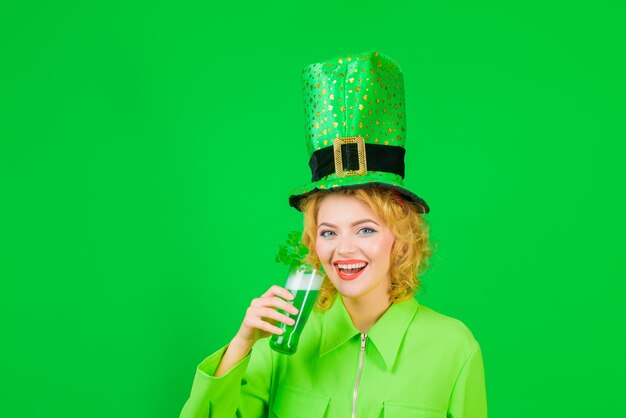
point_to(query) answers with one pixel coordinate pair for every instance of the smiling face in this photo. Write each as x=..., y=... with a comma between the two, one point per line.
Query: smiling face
x=354, y=246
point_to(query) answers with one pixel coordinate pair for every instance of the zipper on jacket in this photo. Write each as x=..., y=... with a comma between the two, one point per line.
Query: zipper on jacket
x=355, y=392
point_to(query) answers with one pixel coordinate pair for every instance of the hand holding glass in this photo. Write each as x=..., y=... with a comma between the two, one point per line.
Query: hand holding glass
x=304, y=283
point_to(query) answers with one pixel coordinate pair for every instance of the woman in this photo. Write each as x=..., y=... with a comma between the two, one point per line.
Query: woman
x=369, y=348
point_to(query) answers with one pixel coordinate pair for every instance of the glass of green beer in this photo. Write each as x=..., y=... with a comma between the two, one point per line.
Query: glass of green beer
x=304, y=283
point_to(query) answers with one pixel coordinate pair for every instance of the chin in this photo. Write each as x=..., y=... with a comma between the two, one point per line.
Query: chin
x=349, y=295
x=351, y=290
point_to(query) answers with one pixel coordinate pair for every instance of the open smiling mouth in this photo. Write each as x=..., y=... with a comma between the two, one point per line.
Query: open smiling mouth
x=349, y=271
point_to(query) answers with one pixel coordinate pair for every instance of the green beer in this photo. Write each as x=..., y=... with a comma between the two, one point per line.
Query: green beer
x=304, y=283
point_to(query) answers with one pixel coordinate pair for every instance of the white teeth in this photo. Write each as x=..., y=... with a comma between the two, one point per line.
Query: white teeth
x=351, y=266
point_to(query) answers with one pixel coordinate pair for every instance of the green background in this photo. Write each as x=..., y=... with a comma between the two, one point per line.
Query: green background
x=147, y=150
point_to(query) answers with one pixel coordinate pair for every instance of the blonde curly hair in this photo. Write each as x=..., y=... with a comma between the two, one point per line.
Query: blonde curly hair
x=411, y=250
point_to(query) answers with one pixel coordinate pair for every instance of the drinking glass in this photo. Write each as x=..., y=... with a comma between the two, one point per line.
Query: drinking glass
x=304, y=282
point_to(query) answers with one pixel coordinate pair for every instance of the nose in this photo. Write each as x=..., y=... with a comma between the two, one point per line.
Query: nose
x=346, y=245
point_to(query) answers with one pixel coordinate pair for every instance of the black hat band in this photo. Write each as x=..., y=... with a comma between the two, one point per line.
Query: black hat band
x=386, y=158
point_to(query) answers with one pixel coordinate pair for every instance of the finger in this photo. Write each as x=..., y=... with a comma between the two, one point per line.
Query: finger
x=278, y=291
x=255, y=321
x=273, y=314
x=285, y=306
x=274, y=302
x=265, y=326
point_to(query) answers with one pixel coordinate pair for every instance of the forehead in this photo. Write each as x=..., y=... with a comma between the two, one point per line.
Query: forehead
x=342, y=209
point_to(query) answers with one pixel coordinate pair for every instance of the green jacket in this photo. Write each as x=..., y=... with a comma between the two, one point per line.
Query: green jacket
x=414, y=362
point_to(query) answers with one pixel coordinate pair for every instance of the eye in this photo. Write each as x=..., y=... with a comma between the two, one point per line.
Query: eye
x=325, y=233
x=366, y=231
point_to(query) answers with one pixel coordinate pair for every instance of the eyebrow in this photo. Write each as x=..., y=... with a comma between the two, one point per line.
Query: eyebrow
x=362, y=221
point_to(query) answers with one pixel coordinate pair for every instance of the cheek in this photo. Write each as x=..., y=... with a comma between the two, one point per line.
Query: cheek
x=382, y=249
x=323, y=250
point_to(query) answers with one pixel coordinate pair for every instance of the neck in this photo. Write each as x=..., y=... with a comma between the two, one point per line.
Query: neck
x=365, y=313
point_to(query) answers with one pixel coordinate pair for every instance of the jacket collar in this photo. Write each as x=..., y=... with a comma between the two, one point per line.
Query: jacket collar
x=387, y=333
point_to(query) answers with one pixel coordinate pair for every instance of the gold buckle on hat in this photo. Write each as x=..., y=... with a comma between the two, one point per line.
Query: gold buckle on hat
x=360, y=143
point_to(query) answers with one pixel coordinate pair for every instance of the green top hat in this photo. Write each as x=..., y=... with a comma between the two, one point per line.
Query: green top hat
x=355, y=126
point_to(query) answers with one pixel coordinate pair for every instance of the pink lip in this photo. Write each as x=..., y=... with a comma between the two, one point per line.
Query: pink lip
x=349, y=277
